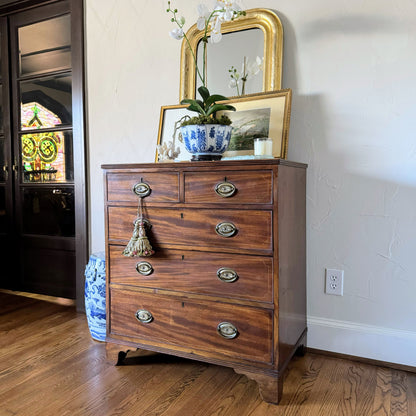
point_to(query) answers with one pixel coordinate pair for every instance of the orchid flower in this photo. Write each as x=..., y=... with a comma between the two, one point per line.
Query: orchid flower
x=177, y=33
x=227, y=8
x=204, y=15
x=216, y=34
x=210, y=23
x=253, y=68
x=248, y=70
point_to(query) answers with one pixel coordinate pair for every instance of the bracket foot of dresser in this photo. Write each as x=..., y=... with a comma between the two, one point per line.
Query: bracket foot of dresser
x=116, y=354
x=270, y=385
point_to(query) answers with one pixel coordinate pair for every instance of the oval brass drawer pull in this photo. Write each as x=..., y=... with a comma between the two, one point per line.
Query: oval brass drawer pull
x=144, y=316
x=226, y=229
x=227, y=330
x=144, y=268
x=225, y=189
x=227, y=275
x=142, y=189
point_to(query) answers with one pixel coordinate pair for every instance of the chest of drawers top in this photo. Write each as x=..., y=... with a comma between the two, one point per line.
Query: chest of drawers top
x=252, y=182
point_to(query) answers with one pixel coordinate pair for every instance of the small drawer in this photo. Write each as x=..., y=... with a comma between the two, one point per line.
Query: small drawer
x=228, y=275
x=161, y=187
x=250, y=230
x=229, y=187
x=194, y=326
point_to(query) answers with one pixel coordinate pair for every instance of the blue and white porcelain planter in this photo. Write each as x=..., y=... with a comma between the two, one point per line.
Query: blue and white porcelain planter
x=206, y=141
x=95, y=296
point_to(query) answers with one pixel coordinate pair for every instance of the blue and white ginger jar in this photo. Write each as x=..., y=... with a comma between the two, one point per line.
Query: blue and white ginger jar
x=95, y=296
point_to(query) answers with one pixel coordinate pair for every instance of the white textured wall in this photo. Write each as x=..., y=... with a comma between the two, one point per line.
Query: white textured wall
x=351, y=65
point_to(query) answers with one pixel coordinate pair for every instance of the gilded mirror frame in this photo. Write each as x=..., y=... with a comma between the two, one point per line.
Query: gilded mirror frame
x=264, y=19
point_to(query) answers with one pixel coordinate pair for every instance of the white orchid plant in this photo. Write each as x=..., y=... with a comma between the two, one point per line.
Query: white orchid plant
x=210, y=22
x=249, y=70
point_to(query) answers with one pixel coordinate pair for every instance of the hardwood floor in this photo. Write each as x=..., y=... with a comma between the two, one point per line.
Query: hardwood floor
x=50, y=366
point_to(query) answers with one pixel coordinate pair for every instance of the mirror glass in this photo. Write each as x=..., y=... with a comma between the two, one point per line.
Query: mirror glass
x=228, y=53
x=258, y=34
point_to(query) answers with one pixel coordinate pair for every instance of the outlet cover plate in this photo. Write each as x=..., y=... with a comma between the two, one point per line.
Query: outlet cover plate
x=334, y=282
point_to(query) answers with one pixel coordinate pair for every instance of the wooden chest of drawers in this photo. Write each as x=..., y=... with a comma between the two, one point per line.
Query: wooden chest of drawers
x=226, y=284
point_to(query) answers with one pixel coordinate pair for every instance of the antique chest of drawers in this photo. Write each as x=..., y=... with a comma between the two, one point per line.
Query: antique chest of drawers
x=226, y=284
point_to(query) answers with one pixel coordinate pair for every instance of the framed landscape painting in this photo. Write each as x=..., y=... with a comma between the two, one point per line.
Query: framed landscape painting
x=256, y=116
x=260, y=115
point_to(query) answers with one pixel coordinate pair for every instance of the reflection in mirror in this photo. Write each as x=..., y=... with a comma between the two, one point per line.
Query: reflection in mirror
x=256, y=20
x=228, y=53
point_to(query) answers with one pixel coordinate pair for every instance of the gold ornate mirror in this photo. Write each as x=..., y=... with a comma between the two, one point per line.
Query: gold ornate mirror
x=261, y=28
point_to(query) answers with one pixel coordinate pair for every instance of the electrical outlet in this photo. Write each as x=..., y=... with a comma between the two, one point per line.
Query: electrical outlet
x=334, y=282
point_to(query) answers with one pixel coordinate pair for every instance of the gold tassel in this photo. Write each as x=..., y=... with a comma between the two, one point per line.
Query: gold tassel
x=139, y=244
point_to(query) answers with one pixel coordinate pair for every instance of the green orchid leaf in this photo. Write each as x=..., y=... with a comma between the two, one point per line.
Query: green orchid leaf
x=220, y=107
x=187, y=101
x=213, y=98
x=192, y=101
x=203, y=92
x=196, y=107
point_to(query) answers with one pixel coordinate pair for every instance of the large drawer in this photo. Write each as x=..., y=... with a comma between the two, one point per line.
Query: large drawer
x=229, y=187
x=197, y=227
x=227, y=275
x=192, y=325
x=164, y=187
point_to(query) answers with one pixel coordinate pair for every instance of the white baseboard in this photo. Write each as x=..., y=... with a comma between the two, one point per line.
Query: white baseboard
x=367, y=341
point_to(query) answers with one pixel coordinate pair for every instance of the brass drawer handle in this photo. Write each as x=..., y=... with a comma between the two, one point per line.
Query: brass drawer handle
x=142, y=189
x=6, y=172
x=225, y=189
x=144, y=268
x=227, y=330
x=144, y=316
x=226, y=229
x=227, y=275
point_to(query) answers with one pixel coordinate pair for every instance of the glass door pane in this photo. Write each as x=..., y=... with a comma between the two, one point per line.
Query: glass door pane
x=45, y=46
x=47, y=157
x=46, y=102
x=49, y=211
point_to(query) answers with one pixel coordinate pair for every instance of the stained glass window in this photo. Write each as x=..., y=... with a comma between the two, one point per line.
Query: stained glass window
x=43, y=153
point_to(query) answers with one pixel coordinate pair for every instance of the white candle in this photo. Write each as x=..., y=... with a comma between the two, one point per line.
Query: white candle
x=263, y=146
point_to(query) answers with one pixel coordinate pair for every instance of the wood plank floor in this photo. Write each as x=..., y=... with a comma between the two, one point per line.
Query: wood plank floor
x=50, y=366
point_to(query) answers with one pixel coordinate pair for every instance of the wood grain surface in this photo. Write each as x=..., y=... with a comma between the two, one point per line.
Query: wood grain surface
x=251, y=187
x=192, y=325
x=49, y=365
x=196, y=228
x=196, y=272
x=265, y=212
x=163, y=186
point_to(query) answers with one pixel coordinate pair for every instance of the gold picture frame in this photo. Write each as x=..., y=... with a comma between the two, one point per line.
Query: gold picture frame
x=260, y=115
x=257, y=115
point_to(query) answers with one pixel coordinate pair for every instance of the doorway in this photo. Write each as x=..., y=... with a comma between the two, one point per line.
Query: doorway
x=43, y=227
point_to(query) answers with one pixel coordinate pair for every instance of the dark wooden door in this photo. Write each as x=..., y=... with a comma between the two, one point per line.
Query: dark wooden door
x=7, y=235
x=44, y=190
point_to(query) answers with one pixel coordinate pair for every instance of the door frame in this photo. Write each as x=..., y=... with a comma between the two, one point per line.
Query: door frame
x=8, y=8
